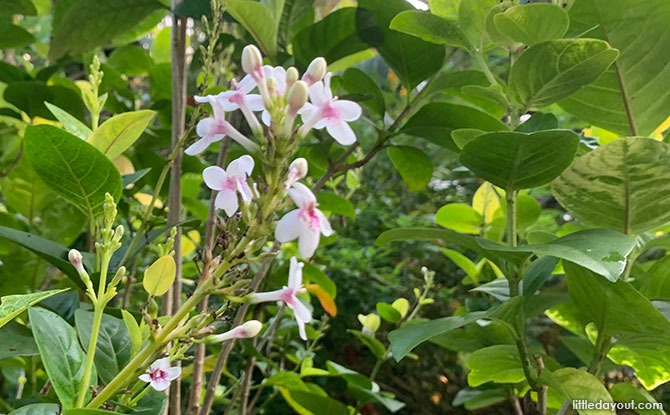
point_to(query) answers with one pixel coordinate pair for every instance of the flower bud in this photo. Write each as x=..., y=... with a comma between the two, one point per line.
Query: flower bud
x=77, y=260
x=246, y=331
x=118, y=277
x=271, y=84
x=315, y=71
x=291, y=76
x=296, y=171
x=370, y=323
x=297, y=97
x=252, y=62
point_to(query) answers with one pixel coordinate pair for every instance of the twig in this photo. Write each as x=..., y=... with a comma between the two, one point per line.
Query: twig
x=542, y=390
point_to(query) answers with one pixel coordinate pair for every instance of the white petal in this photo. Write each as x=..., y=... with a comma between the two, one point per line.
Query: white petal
x=173, y=372
x=226, y=103
x=245, y=192
x=203, y=99
x=203, y=127
x=227, y=200
x=349, y=110
x=289, y=227
x=219, y=112
x=241, y=167
x=255, y=102
x=246, y=84
x=265, y=116
x=198, y=147
x=301, y=329
x=301, y=195
x=308, y=241
x=214, y=177
x=301, y=312
x=340, y=131
x=326, y=229
x=317, y=94
x=162, y=364
x=160, y=385
x=145, y=378
x=295, y=274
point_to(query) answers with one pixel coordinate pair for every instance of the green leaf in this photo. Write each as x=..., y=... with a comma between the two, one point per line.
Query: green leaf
x=158, y=278
x=70, y=123
x=52, y=252
x=464, y=135
x=13, y=305
x=330, y=202
x=356, y=81
x=415, y=167
x=38, y=409
x=406, y=338
x=550, y=71
x=73, y=168
x=499, y=364
x=131, y=60
x=533, y=23
x=10, y=7
x=436, y=121
x=426, y=234
x=538, y=121
x=334, y=37
x=431, y=28
x=472, y=16
x=617, y=309
x=112, y=352
x=638, y=78
x=463, y=263
x=257, y=19
x=537, y=273
x=627, y=392
x=12, y=36
x=87, y=24
x=569, y=384
x=622, y=185
x=460, y=218
x=412, y=59
x=375, y=346
x=88, y=411
x=61, y=354
x=134, y=332
x=313, y=403
x=16, y=340
x=118, y=133
x=515, y=161
x=388, y=313
x=656, y=283
x=603, y=251
x=31, y=96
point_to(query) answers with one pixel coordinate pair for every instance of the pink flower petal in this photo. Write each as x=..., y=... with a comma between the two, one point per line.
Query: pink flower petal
x=288, y=227
x=214, y=177
x=326, y=229
x=227, y=200
x=317, y=94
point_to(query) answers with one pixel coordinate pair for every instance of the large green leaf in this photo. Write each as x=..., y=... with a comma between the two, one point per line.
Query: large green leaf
x=413, y=59
x=430, y=28
x=550, y=71
x=61, y=354
x=627, y=392
x=634, y=90
x=624, y=185
x=533, y=23
x=515, y=161
x=113, y=348
x=73, y=168
x=364, y=88
x=13, y=305
x=10, y=7
x=415, y=167
x=87, y=24
x=426, y=234
x=38, y=409
x=642, y=332
x=257, y=19
x=31, y=96
x=16, y=340
x=436, y=121
x=118, y=133
x=12, y=36
x=499, y=364
x=569, y=384
x=70, y=123
x=603, y=251
x=305, y=402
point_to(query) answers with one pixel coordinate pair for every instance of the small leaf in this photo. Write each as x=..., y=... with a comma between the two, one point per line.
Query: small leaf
x=356, y=81
x=415, y=167
x=533, y=23
x=375, y=346
x=431, y=28
x=134, y=332
x=499, y=364
x=327, y=302
x=158, y=278
x=118, y=133
x=70, y=123
x=424, y=234
x=401, y=305
x=460, y=218
x=37, y=408
x=569, y=384
x=13, y=305
x=388, y=313
x=330, y=202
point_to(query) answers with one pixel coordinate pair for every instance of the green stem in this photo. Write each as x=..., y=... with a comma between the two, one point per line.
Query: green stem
x=479, y=58
x=140, y=395
x=511, y=196
x=603, y=344
x=98, y=308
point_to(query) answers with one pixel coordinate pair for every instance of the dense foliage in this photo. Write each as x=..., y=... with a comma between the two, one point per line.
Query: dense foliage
x=333, y=207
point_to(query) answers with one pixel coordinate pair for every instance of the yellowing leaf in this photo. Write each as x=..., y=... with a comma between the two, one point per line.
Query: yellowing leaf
x=486, y=201
x=325, y=299
x=158, y=278
x=189, y=242
x=401, y=305
x=124, y=165
x=145, y=199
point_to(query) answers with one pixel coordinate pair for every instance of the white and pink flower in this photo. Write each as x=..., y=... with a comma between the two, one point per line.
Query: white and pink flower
x=244, y=331
x=160, y=374
x=230, y=182
x=289, y=296
x=306, y=224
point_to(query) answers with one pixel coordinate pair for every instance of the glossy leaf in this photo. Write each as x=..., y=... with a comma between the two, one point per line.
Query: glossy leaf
x=257, y=19
x=88, y=23
x=656, y=282
x=415, y=167
x=425, y=234
x=61, y=354
x=158, y=278
x=70, y=123
x=515, y=161
x=113, y=348
x=499, y=364
x=431, y=28
x=356, y=81
x=436, y=121
x=623, y=185
x=37, y=409
x=627, y=392
x=638, y=79
x=118, y=133
x=569, y=384
x=73, y=168
x=472, y=16
x=460, y=218
x=16, y=340
x=13, y=305
x=550, y=71
x=330, y=202
x=533, y=23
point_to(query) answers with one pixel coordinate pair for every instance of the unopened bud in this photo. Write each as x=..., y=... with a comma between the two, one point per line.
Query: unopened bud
x=370, y=323
x=109, y=208
x=252, y=62
x=315, y=71
x=246, y=331
x=297, y=97
x=271, y=86
x=296, y=171
x=76, y=260
x=118, y=277
x=291, y=76
x=118, y=233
